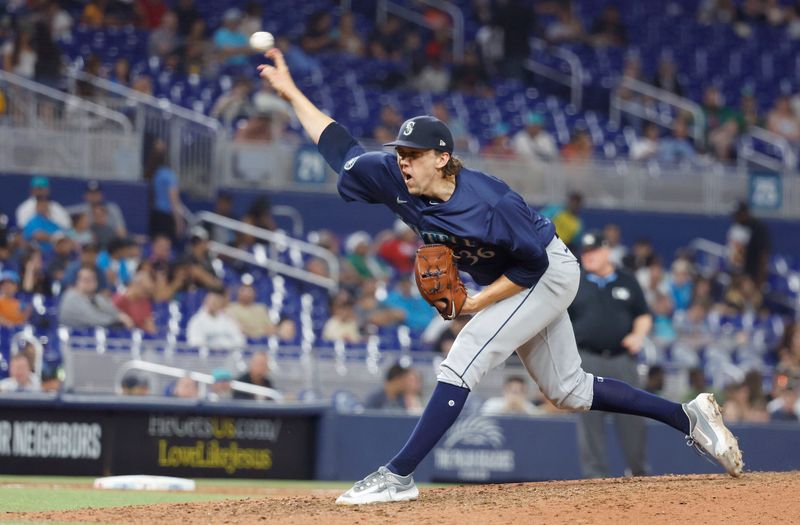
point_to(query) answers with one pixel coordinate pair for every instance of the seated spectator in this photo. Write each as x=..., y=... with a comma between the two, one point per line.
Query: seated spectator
x=514, y=400
x=722, y=123
x=164, y=39
x=161, y=255
x=20, y=376
x=121, y=72
x=785, y=405
x=392, y=394
x=418, y=313
x=653, y=281
x=101, y=229
x=34, y=278
x=81, y=232
x=82, y=307
x=646, y=147
x=199, y=261
x=319, y=34
x=667, y=76
x=500, y=144
x=266, y=102
x=348, y=40
x=789, y=351
x=433, y=77
x=676, y=148
x=616, y=250
x=663, y=331
x=231, y=45
x=640, y=256
x=137, y=302
x=567, y=218
x=60, y=20
x=212, y=328
x=533, y=142
x=254, y=319
x=445, y=340
x=12, y=313
x=343, y=323
x=40, y=189
x=783, y=121
x=257, y=374
x=221, y=387
x=94, y=195
x=135, y=385
x=41, y=227
x=567, y=27
x=370, y=312
x=608, y=29
x=253, y=18
x=400, y=249
x=234, y=104
x=358, y=247
x=119, y=261
x=63, y=254
x=680, y=284
x=579, y=149
x=87, y=257
x=186, y=388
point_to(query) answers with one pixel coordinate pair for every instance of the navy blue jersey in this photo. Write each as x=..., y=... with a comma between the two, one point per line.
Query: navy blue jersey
x=489, y=226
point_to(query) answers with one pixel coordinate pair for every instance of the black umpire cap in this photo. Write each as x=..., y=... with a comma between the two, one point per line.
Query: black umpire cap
x=592, y=240
x=424, y=132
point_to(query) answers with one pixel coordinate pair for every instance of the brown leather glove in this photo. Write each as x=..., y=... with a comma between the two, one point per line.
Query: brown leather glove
x=438, y=280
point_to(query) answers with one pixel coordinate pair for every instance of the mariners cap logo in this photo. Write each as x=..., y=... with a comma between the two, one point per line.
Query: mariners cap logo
x=409, y=128
x=442, y=143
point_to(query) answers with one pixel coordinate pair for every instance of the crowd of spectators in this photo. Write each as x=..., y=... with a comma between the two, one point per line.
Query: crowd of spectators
x=85, y=257
x=118, y=282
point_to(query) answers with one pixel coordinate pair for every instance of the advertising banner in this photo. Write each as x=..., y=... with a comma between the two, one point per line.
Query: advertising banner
x=51, y=442
x=214, y=446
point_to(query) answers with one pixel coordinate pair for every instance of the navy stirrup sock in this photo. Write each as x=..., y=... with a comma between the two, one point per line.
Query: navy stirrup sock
x=612, y=395
x=442, y=410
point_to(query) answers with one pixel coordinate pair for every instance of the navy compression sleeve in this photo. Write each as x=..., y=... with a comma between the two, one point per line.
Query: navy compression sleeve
x=334, y=143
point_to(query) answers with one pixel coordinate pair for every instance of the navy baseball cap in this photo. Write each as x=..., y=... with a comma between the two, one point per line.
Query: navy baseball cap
x=424, y=132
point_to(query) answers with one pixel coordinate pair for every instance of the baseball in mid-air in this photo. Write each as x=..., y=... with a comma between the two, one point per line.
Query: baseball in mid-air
x=262, y=40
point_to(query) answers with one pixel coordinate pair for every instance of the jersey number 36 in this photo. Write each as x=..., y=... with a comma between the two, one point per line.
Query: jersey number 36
x=473, y=258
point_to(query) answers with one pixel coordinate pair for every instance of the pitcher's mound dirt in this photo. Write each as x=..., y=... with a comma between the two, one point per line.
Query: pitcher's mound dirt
x=754, y=498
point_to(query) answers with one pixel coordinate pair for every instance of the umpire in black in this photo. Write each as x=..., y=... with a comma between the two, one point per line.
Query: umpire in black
x=611, y=320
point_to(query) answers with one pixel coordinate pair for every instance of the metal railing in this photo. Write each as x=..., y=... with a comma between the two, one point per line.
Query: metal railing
x=194, y=140
x=636, y=108
x=386, y=7
x=48, y=132
x=573, y=78
x=276, y=242
x=199, y=377
x=784, y=160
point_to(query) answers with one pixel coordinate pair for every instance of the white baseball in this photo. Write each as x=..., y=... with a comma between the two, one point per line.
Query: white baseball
x=262, y=41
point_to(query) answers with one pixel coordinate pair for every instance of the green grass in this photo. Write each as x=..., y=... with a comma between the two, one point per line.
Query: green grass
x=33, y=499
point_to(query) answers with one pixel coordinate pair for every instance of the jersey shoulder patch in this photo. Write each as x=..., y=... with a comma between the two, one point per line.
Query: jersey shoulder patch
x=350, y=163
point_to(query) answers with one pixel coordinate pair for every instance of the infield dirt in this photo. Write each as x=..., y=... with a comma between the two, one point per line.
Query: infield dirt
x=752, y=499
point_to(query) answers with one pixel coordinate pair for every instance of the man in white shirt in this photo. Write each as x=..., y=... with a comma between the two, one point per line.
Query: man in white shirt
x=40, y=188
x=514, y=400
x=20, y=378
x=212, y=328
x=646, y=147
x=533, y=142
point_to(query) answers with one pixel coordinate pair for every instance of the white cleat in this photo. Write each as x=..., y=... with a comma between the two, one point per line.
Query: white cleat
x=709, y=435
x=381, y=486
